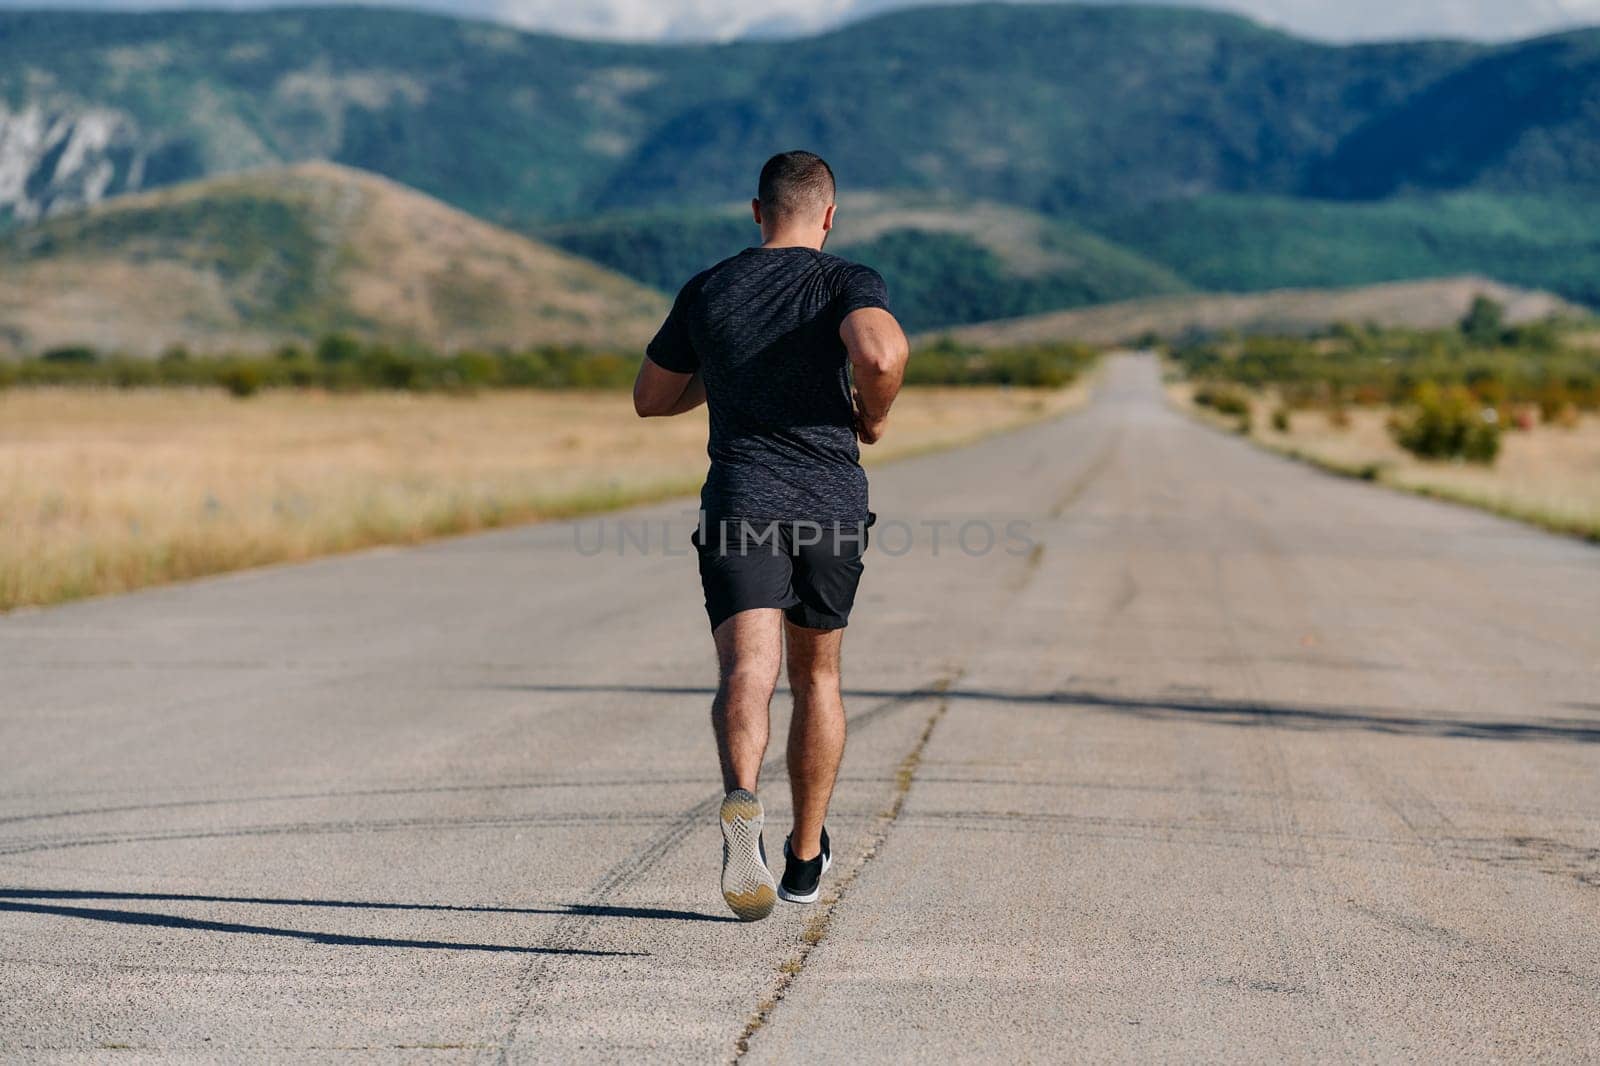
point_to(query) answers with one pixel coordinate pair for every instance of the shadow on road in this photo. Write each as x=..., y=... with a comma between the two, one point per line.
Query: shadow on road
x=1220, y=711
x=10, y=901
x=561, y=910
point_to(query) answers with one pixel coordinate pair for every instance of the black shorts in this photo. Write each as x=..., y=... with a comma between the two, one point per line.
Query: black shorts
x=810, y=570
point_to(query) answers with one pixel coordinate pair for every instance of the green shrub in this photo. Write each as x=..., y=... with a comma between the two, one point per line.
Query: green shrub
x=338, y=348
x=71, y=355
x=1223, y=400
x=298, y=370
x=386, y=368
x=1049, y=365
x=474, y=369
x=1447, y=423
x=127, y=373
x=240, y=379
x=1280, y=420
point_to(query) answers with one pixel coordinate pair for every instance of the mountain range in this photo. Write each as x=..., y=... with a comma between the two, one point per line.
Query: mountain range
x=1034, y=156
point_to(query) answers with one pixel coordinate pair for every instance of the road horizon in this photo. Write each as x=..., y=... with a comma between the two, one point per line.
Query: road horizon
x=1197, y=753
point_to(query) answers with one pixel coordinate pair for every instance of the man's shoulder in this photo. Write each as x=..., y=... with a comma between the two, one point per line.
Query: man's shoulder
x=698, y=282
x=829, y=261
x=721, y=274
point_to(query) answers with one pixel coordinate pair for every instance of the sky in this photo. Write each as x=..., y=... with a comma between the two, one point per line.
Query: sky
x=1338, y=20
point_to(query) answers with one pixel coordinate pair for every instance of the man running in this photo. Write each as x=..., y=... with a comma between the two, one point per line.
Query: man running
x=770, y=339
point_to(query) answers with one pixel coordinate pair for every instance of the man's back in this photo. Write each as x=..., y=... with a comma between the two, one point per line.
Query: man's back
x=762, y=329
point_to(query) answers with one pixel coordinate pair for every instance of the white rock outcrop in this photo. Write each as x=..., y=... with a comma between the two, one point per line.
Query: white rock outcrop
x=55, y=159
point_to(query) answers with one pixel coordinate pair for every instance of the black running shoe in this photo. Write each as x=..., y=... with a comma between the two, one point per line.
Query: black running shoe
x=802, y=880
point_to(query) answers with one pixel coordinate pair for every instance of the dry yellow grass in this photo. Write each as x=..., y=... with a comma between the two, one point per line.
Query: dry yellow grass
x=1547, y=475
x=103, y=491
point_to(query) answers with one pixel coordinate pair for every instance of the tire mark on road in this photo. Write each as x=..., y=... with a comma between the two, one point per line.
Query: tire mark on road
x=641, y=781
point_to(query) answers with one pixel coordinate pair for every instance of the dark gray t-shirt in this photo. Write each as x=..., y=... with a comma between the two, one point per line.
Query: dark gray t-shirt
x=762, y=328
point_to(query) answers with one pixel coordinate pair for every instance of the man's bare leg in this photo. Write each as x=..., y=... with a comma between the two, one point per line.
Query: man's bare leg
x=749, y=654
x=816, y=732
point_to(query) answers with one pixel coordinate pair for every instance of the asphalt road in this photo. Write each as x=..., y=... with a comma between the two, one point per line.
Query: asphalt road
x=1210, y=757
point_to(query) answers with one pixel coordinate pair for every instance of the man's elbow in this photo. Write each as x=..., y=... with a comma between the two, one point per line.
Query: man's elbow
x=643, y=404
x=884, y=359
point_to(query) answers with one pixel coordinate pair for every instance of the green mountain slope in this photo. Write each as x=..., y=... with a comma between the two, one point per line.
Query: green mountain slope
x=1521, y=120
x=1245, y=243
x=945, y=263
x=254, y=260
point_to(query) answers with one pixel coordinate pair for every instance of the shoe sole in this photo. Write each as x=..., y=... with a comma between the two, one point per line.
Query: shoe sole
x=748, y=886
x=793, y=897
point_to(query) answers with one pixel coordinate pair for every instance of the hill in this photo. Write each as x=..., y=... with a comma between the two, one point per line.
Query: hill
x=1416, y=304
x=253, y=260
x=946, y=263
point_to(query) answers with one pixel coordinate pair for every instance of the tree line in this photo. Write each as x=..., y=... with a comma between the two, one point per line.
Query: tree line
x=341, y=362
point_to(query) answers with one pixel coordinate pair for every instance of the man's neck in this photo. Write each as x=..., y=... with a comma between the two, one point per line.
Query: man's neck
x=784, y=239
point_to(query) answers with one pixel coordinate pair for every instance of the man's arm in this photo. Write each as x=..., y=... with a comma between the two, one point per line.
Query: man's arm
x=660, y=392
x=878, y=353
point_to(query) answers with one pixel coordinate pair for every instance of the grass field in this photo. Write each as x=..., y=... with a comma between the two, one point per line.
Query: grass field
x=104, y=490
x=1548, y=475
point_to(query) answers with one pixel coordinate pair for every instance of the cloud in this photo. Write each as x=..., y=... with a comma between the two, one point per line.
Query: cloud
x=1384, y=19
x=650, y=20
x=654, y=20
x=1347, y=20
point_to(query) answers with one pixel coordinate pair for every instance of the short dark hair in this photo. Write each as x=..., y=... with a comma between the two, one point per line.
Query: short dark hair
x=792, y=182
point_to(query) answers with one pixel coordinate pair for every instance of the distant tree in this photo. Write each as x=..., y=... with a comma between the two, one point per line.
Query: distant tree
x=75, y=354
x=241, y=379
x=1485, y=323
x=338, y=348
x=388, y=368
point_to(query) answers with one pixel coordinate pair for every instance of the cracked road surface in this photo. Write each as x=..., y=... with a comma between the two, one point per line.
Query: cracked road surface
x=1211, y=756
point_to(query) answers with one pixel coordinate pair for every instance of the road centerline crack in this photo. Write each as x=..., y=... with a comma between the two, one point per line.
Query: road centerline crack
x=817, y=928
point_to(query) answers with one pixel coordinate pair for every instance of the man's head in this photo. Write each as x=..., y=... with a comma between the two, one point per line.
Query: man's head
x=795, y=198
